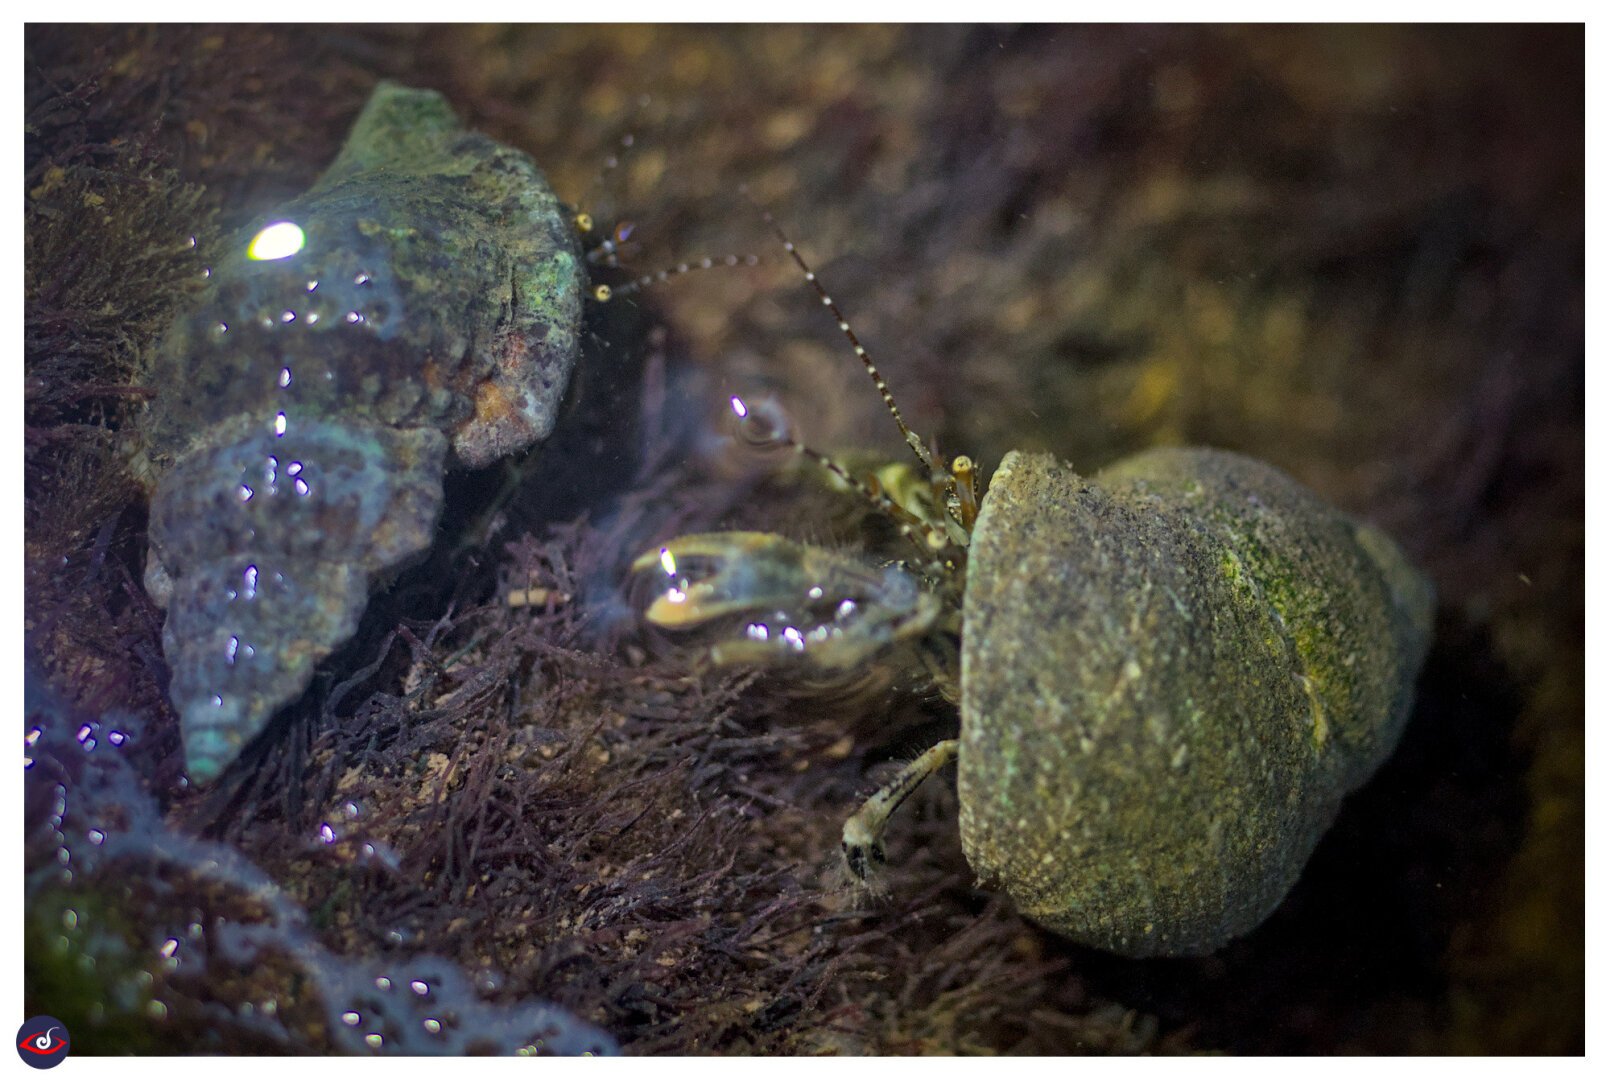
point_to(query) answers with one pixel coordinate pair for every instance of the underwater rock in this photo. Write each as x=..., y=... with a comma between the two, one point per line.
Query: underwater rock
x=138, y=930
x=418, y=308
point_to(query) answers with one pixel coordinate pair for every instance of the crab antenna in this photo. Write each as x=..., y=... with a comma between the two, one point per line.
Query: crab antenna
x=912, y=439
x=584, y=220
x=606, y=292
x=772, y=430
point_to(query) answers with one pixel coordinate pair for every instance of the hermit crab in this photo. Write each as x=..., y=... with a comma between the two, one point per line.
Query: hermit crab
x=1170, y=673
x=418, y=308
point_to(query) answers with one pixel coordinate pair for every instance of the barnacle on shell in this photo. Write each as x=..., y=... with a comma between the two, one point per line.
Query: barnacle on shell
x=418, y=308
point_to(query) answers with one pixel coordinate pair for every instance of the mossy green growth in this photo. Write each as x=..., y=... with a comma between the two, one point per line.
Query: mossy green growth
x=79, y=966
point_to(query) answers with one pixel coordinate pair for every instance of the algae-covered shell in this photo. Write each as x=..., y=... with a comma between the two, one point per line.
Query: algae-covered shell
x=418, y=307
x=1172, y=674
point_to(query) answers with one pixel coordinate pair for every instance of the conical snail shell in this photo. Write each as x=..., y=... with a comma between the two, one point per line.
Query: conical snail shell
x=419, y=307
x=1172, y=673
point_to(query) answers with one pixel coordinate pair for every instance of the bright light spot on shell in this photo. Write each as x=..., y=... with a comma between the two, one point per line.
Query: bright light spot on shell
x=739, y=407
x=419, y=987
x=351, y=1019
x=433, y=1026
x=374, y=1040
x=170, y=947
x=668, y=562
x=326, y=833
x=245, y=493
x=279, y=424
x=382, y=983
x=758, y=631
x=675, y=596
x=280, y=240
x=285, y=376
x=794, y=638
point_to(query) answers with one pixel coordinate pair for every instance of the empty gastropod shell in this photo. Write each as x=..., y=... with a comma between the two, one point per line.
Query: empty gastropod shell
x=418, y=308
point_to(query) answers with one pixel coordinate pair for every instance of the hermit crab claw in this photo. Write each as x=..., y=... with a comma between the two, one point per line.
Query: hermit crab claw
x=831, y=609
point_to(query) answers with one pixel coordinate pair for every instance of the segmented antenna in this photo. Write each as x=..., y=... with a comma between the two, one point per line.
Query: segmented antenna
x=584, y=220
x=912, y=439
x=659, y=277
x=766, y=428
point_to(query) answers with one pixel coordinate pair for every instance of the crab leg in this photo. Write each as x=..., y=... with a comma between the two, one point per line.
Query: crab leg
x=863, y=832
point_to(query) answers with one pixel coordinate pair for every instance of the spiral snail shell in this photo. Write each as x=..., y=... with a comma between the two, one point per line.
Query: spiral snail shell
x=418, y=308
x=1171, y=675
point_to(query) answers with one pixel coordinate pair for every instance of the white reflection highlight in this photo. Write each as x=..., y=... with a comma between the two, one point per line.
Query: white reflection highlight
x=280, y=240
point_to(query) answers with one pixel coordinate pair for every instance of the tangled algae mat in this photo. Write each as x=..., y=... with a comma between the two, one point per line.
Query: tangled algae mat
x=1356, y=253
